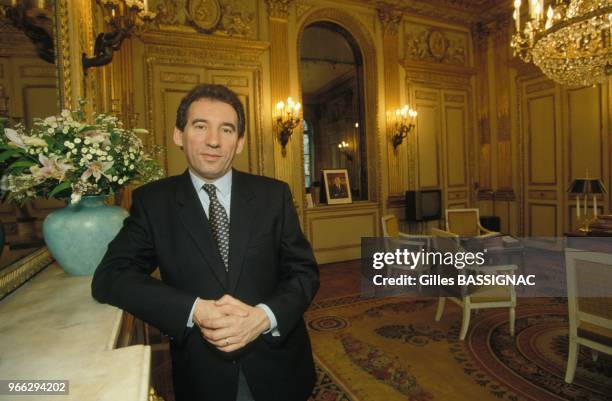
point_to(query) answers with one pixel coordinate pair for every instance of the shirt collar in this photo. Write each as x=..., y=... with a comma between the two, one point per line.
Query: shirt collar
x=223, y=184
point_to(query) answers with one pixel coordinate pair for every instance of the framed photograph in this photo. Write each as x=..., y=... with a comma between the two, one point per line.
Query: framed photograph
x=337, y=186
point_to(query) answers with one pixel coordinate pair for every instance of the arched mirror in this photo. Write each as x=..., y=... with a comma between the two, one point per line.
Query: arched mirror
x=331, y=73
x=28, y=90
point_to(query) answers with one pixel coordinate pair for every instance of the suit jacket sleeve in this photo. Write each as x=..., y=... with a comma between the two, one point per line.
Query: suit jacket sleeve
x=123, y=277
x=299, y=280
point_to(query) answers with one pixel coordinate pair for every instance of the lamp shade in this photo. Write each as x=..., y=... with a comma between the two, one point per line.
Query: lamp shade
x=587, y=186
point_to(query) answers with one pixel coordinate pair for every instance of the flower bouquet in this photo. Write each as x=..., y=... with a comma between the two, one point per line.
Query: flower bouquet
x=66, y=156
x=85, y=160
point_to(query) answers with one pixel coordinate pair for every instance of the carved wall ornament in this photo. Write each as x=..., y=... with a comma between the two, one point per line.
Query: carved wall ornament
x=236, y=20
x=217, y=17
x=390, y=19
x=434, y=45
x=437, y=44
x=279, y=8
x=171, y=12
x=204, y=14
x=302, y=8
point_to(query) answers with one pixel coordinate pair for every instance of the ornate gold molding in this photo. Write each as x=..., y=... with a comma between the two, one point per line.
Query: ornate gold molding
x=15, y=275
x=181, y=44
x=279, y=8
x=539, y=86
x=390, y=18
x=448, y=75
x=302, y=8
x=211, y=17
x=62, y=46
x=435, y=45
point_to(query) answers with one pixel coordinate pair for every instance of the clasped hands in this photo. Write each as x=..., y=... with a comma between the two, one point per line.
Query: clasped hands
x=229, y=324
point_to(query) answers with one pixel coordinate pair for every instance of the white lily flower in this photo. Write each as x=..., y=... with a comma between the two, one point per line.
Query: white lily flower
x=97, y=169
x=14, y=138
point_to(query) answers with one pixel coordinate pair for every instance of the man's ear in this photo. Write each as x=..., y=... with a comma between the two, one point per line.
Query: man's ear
x=240, y=145
x=178, y=137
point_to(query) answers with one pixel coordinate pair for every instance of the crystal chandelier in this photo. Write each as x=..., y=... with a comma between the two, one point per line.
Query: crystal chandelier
x=570, y=43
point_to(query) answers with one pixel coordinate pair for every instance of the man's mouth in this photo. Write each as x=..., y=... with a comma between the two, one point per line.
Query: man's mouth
x=210, y=156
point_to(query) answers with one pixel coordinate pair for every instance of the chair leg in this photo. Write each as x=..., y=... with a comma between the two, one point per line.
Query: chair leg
x=512, y=319
x=440, y=308
x=594, y=355
x=465, y=322
x=572, y=360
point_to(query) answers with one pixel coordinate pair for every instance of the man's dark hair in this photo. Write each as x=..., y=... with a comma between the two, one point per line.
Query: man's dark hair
x=216, y=92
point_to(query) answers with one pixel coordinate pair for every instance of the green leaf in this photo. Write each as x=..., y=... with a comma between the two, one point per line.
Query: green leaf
x=22, y=163
x=62, y=186
x=8, y=154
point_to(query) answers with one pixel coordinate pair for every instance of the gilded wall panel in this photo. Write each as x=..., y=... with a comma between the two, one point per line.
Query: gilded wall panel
x=455, y=124
x=585, y=138
x=428, y=131
x=335, y=232
x=542, y=219
x=542, y=140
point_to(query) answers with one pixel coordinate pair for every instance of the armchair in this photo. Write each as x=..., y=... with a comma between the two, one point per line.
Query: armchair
x=466, y=223
x=589, y=304
x=468, y=298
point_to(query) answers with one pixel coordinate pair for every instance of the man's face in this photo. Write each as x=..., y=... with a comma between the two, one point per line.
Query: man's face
x=337, y=181
x=210, y=139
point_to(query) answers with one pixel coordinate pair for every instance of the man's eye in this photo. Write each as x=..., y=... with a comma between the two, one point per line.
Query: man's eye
x=228, y=130
x=199, y=126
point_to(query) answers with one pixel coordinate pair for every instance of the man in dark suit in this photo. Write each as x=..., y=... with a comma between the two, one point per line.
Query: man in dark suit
x=237, y=273
x=338, y=189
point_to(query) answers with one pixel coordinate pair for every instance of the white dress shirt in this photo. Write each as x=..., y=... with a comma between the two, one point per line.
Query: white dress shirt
x=224, y=195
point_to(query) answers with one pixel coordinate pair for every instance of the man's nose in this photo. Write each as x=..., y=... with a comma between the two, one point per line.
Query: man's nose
x=212, y=138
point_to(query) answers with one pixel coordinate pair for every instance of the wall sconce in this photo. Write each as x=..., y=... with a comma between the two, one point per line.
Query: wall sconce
x=125, y=17
x=36, y=22
x=344, y=149
x=403, y=124
x=287, y=117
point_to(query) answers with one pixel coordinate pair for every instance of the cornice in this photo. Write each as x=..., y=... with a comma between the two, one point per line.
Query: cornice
x=192, y=40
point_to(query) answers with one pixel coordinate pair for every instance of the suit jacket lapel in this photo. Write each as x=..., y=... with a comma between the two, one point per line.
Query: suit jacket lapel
x=194, y=219
x=242, y=210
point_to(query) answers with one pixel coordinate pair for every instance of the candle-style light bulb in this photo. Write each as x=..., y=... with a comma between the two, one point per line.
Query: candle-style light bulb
x=549, y=17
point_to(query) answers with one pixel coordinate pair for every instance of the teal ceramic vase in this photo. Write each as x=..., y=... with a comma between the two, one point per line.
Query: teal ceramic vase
x=77, y=236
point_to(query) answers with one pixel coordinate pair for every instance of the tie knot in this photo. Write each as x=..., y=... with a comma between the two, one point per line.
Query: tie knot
x=211, y=190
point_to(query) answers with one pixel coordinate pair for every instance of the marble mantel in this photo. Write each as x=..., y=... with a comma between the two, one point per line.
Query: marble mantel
x=51, y=328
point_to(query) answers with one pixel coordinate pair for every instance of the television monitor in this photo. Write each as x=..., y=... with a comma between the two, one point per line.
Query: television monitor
x=423, y=205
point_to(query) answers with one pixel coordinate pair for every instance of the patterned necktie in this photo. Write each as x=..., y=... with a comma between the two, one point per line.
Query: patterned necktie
x=219, y=223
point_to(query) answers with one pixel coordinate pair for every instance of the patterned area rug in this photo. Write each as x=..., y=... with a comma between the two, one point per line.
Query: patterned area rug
x=392, y=349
